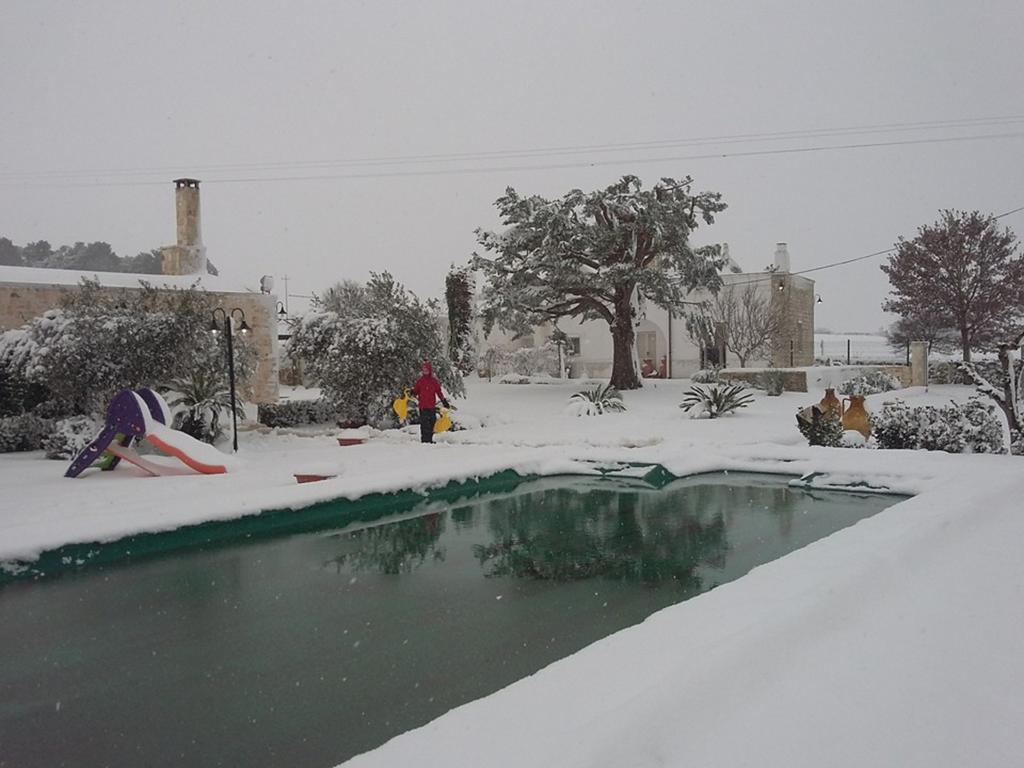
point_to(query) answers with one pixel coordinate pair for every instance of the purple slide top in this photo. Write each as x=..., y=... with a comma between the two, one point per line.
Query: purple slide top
x=123, y=417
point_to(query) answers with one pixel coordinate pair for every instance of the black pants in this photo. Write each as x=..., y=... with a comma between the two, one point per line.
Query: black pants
x=427, y=418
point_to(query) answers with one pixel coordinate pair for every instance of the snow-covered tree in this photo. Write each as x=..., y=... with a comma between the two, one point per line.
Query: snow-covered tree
x=1008, y=394
x=365, y=343
x=458, y=292
x=748, y=320
x=99, y=342
x=598, y=256
x=964, y=270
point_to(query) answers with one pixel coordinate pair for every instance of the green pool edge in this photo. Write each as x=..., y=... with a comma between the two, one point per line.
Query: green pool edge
x=334, y=513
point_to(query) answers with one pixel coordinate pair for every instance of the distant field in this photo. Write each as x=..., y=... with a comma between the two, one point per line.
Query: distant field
x=864, y=348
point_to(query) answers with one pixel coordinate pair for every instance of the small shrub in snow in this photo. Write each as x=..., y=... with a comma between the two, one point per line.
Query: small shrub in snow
x=23, y=433
x=706, y=376
x=70, y=436
x=715, y=401
x=773, y=380
x=971, y=427
x=820, y=427
x=524, y=362
x=870, y=383
x=597, y=401
x=896, y=425
x=296, y=413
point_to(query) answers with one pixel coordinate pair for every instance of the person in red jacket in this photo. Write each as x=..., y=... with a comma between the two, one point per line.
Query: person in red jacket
x=427, y=390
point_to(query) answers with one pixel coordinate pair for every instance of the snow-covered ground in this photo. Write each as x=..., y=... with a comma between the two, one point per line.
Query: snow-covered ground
x=894, y=642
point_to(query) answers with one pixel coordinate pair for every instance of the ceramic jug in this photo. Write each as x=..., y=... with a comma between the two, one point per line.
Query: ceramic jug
x=856, y=417
x=831, y=403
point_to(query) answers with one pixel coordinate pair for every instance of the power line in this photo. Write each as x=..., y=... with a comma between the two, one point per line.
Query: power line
x=770, y=275
x=570, y=149
x=543, y=167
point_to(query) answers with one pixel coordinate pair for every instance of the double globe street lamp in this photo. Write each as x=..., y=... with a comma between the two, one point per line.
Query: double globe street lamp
x=226, y=319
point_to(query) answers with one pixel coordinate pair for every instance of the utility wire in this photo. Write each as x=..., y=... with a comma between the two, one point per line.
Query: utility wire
x=548, y=151
x=563, y=150
x=770, y=275
x=542, y=167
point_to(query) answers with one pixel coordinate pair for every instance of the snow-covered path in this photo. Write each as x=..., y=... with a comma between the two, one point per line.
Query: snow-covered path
x=893, y=642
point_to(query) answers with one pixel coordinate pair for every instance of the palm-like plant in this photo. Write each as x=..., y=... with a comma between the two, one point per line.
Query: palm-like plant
x=204, y=395
x=716, y=400
x=597, y=401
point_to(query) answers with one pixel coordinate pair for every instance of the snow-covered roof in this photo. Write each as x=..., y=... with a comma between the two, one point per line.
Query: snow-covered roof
x=43, y=276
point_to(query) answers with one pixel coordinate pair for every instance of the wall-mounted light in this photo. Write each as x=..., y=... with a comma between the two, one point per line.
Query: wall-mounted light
x=817, y=299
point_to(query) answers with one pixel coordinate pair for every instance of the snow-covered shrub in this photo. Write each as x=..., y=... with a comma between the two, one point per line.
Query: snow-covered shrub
x=523, y=361
x=820, y=427
x=99, y=342
x=596, y=401
x=706, y=376
x=296, y=413
x=971, y=427
x=715, y=401
x=365, y=343
x=773, y=380
x=870, y=383
x=69, y=436
x=23, y=433
x=896, y=425
x=17, y=394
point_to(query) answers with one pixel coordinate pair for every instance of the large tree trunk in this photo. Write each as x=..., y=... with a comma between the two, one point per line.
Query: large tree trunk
x=965, y=344
x=625, y=373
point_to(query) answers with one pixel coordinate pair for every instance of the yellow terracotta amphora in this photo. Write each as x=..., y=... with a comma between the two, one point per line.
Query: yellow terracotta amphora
x=831, y=403
x=856, y=417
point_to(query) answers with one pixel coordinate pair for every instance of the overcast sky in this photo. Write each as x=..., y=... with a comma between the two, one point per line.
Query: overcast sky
x=105, y=103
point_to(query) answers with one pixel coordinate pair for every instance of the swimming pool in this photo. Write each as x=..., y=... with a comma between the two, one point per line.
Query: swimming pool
x=309, y=646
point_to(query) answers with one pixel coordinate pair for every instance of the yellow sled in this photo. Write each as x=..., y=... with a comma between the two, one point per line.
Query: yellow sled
x=401, y=405
x=444, y=421
x=401, y=408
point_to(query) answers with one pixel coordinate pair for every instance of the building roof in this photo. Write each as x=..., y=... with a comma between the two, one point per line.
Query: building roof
x=43, y=276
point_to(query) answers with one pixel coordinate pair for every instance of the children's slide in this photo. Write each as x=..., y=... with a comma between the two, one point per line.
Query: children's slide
x=143, y=415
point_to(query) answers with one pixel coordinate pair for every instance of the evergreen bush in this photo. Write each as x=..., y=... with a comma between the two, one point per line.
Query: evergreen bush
x=706, y=376
x=69, y=436
x=971, y=427
x=296, y=413
x=870, y=383
x=773, y=380
x=820, y=427
x=23, y=433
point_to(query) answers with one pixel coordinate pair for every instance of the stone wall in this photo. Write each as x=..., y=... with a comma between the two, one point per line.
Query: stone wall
x=20, y=302
x=794, y=343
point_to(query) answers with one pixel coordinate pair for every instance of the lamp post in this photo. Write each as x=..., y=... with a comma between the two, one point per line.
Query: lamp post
x=228, y=317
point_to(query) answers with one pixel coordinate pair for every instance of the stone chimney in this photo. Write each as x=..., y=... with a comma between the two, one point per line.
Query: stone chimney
x=781, y=258
x=188, y=256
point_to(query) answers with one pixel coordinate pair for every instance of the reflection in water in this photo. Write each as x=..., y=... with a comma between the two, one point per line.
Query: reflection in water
x=393, y=548
x=306, y=649
x=562, y=535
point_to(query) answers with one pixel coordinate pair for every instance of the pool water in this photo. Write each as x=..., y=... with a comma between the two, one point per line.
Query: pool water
x=306, y=649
